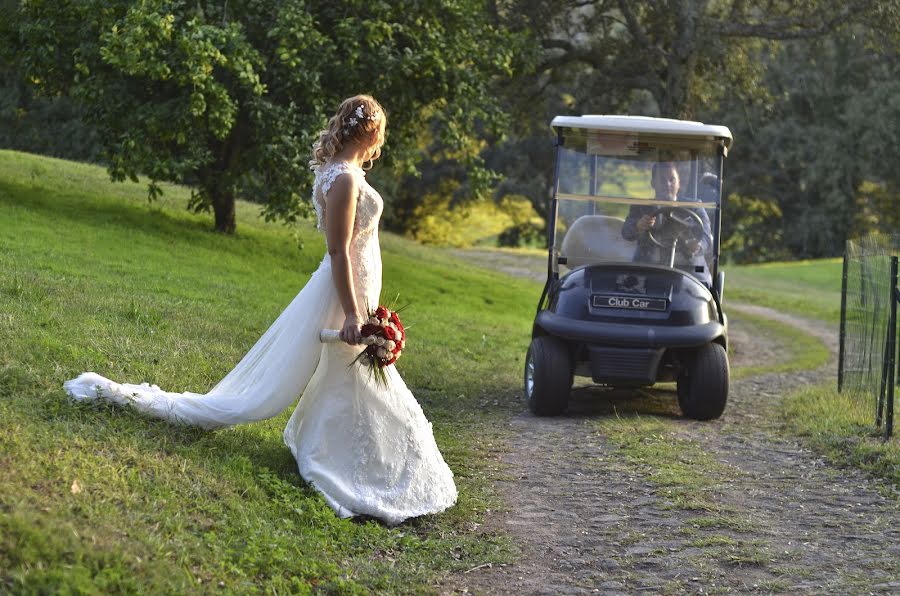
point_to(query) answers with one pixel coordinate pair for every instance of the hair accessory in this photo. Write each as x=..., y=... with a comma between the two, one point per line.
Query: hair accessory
x=359, y=114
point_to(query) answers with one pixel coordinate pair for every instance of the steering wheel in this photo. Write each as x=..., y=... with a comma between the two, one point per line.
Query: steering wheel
x=681, y=224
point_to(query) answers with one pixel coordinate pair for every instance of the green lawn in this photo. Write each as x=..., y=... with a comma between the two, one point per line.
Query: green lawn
x=92, y=277
x=95, y=498
x=836, y=424
x=844, y=429
x=807, y=288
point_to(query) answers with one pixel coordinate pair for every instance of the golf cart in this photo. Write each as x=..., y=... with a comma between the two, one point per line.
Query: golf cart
x=634, y=292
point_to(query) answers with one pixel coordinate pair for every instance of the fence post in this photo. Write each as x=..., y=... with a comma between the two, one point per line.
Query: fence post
x=897, y=296
x=843, y=330
x=892, y=352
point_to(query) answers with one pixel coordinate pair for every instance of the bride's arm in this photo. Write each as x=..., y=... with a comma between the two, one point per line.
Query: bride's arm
x=340, y=215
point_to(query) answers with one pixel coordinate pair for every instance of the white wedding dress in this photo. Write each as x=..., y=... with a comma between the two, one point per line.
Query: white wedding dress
x=367, y=448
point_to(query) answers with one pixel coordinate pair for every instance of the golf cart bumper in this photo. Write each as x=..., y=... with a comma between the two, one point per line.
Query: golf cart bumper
x=629, y=335
x=627, y=355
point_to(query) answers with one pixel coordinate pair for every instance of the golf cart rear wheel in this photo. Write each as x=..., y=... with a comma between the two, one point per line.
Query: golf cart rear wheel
x=548, y=376
x=703, y=384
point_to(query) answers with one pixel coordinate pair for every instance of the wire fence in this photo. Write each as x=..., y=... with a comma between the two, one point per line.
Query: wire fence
x=867, y=366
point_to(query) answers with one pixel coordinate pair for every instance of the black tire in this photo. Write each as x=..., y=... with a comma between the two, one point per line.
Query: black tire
x=548, y=376
x=703, y=383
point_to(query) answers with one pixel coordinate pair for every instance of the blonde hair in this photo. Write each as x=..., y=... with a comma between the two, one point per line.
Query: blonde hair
x=360, y=119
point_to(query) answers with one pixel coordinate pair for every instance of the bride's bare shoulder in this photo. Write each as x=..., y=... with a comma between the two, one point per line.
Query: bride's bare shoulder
x=336, y=177
x=341, y=186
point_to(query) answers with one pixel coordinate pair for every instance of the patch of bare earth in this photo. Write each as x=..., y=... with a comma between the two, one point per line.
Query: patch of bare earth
x=588, y=519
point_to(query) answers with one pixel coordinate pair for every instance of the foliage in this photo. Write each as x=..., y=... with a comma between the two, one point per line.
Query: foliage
x=822, y=151
x=436, y=221
x=228, y=97
x=45, y=125
x=789, y=78
x=682, y=54
x=527, y=227
x=92, y=277
x=752, y=230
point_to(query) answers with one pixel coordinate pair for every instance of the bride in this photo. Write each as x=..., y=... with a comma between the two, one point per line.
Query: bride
x=366, y=447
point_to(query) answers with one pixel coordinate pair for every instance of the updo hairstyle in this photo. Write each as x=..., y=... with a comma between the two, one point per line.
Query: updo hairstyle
x=360, y=119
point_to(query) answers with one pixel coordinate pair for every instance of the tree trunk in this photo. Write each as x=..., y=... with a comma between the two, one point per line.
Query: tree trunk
x=677, y=100
x=223, y=207
x=682, y=64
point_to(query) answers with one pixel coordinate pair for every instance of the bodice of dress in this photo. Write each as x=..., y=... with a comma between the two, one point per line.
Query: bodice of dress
x=365, y=252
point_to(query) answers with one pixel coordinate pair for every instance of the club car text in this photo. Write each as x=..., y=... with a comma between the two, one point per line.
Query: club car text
x=631, y=302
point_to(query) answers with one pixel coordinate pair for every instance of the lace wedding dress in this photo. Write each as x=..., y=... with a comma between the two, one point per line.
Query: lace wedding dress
x=367, y=448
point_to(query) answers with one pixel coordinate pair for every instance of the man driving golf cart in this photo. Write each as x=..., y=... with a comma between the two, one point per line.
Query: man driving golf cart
x=691, y=254
x=633, y=295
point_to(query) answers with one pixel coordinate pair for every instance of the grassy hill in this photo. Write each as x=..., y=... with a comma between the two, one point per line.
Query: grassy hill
x=95, y=498
x=92, y=277
x=807, y=288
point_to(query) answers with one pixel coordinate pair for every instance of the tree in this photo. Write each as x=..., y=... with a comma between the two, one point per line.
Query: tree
x=682, y=54
x=822, y=151
x=759, y=68
x=227, y=96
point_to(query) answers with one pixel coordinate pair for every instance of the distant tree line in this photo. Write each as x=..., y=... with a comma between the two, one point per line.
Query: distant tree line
x=808, y=88
x=226, y=97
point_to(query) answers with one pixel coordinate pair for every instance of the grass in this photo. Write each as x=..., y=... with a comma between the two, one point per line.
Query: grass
x=92, y=277
x=806, y=288
x=842, y=427
x=806, y=352
x=688, y=476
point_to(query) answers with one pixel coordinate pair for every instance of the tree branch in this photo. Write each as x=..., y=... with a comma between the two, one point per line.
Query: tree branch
x=637, y=31
x=571, y=54
x=799, y=27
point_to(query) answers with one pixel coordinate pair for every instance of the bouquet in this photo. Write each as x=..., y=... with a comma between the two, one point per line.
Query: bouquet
x=384, y=337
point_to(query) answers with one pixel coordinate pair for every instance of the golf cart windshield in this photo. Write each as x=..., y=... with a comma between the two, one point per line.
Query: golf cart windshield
x=635, y=197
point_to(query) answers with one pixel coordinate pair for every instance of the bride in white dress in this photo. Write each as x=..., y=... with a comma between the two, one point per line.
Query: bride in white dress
x=368, y=448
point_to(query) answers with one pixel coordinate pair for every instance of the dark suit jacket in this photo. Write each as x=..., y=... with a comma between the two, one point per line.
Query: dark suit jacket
x=647, y=251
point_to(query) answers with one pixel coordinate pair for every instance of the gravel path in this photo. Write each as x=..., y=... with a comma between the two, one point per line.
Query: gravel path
x=589, y=519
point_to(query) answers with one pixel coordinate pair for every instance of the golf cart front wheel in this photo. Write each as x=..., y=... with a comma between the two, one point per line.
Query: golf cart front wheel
x=703, y=384
x=548, y=376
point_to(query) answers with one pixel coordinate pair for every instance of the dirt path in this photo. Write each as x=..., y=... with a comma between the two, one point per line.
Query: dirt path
x=590, y=519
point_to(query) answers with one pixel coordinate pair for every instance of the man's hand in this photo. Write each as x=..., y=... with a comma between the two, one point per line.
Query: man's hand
x=645, y=223
x=692, y=247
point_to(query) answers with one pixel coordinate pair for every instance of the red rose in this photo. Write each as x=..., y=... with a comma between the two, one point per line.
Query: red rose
x=370, y=329
x=391, y=361
x=395, y=319
x=381, y=312
x=389, y=333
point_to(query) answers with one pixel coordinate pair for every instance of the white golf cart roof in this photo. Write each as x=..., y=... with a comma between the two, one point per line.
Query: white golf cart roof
x=645, y=125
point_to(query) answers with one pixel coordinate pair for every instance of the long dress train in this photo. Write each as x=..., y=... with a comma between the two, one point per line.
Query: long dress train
x=367, y=448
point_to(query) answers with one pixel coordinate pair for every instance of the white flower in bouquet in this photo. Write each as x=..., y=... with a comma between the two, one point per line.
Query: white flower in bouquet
x=384, y=336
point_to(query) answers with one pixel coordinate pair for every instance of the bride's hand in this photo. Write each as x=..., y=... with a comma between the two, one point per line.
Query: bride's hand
x=350, y=333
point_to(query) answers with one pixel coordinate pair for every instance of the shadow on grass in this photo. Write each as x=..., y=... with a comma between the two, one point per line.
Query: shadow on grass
x=599, y=402
x=226, y=451
x=596, y=401
x=82, y=208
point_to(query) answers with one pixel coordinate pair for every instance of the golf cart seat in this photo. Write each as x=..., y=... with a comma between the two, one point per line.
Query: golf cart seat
x=594, y=239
